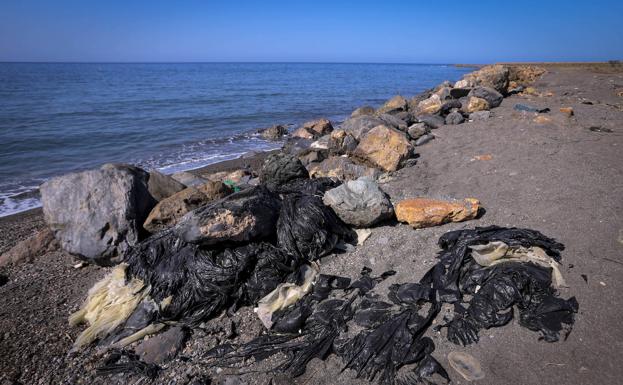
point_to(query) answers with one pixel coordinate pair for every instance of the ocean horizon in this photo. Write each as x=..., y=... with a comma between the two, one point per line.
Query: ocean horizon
x=57, y=117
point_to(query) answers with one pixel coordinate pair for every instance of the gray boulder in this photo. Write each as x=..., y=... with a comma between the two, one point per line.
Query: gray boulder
x=432, y=121
x=274, y=132
x=360, y=125
x=359, y=202
x=455, y=118
x=489, y=94
x=394, y=121
x=418, y=129
x=365, y=110
x=98, y=214
x=162, y=186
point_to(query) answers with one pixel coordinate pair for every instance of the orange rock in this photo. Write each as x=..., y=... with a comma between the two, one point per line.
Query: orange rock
x=483, y=157
x=318, y=127
x=540, y=119
x=567, y=110
x=384, y=147
x=424, y=212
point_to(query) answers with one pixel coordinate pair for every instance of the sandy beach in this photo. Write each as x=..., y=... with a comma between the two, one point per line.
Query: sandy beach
x=562, y=176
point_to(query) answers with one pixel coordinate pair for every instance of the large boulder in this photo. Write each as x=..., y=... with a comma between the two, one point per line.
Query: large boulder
x=360, y=125
x=161, y=186
x=494, y=76
x=280, y=168
x=431, y=105
x=275, y=132
x=244, y=216
x=27, y=250
x=359, y=202
x=395, y=104
x=424, y=212
x=170, y=210
x=365, y=110
x=475, y=104
x=432, y=121
x=341, y=168
x=342, y=142
x=98, y=214
x=384, y=147
x=394, y=121
x=314, y=129
x=493, y=97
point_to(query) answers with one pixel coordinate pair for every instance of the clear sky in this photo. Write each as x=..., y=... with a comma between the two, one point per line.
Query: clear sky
x=432, y=31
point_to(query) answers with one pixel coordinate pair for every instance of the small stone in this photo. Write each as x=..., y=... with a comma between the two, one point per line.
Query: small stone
x=567, y=110
x=541, y=119
x=454, y=118
x=417, y=130
x=424, y=139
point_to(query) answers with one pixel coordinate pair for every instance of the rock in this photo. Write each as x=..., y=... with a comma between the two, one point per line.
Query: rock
x=494, y=76
x=431, y=105
x=541, y=119
x=319, y=127
x=40, y=243
x=360, y=125
x=414, y=101
x=279, y=168
x=480, y=115
x=395, y=104
x=449, y=106
x=188, y=179
x=424, y=139
x=295, y=145
x=312, y=156
x=458, y=93
x=444, y=93
x=214, y=190
x=365, y=110
x=341, y=168
x=524, y=74
x=322, y=143
x=97, y=214
x=455, y=118
x=342, y=142
x=432, y=121
x=163, y=347
x=274, y=132
x=424, y=212
x=359, y=202
x=303, y=133
x=405, y=116
x=493, y=97
x=394, y=122
x=384, y=147
x=235, y=177
x=567, y=110
x=161, y=186
x=170, y=210
x=417, y=130
x=244, y=216
x=476, y=104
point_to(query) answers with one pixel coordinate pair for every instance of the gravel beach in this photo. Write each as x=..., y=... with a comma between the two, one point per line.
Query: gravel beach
x=562, y=176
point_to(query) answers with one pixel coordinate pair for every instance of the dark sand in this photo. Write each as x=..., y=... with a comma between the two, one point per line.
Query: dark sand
x=559, y=178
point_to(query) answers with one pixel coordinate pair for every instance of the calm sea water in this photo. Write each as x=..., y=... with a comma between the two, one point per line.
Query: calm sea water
x=57, y=118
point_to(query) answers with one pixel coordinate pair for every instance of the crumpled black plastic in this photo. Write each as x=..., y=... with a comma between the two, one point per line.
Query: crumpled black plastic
x=495, y=290
x=123, y=361
x=280, y=168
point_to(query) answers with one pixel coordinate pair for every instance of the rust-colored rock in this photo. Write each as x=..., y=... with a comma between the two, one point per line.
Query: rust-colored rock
x=424, y=212
x=319, y=127
x=567, y=110
x=170, y=210
x=384, y=147
x=475, y=104
x=25, y=251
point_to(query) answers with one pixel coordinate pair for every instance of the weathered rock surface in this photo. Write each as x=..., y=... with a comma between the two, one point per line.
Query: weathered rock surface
x=384, y=147
x=161, y=186
x=432, y=121
x=431, y=105
x=395, y=104
x=27, y=250
x=458, y=93
x=341, y=168
x=424, y=139
x=360, y=125
x=494, y=76
x=394, y=121
x=359, y=202
x=279, y=168
x=492, y=97
x=247, y=215
x=170, y=210
x=97, y=214
x=312, y=156
x=314, y=129
x=275, y=132
x=342, y=142
x=163, y=347
x=417, y=130
x=475, y=104
x=303, y=133
x=365, y=110
x=454, y=118
x=424, y=212
x=188, y=179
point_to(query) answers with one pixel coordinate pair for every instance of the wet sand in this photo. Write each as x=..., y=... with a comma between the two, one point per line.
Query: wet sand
x=561, y=178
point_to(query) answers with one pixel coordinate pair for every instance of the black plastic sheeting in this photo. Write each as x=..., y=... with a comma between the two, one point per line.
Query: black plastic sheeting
x=383, y=339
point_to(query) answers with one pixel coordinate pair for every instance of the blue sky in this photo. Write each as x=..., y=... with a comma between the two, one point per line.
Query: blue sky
x=311, y=31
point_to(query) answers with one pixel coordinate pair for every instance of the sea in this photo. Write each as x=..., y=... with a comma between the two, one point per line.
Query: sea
x=57, y=118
